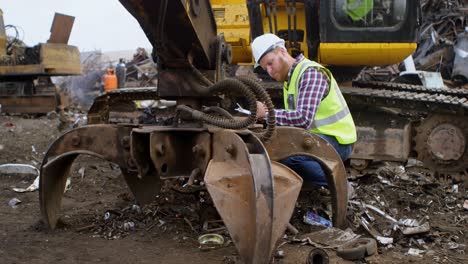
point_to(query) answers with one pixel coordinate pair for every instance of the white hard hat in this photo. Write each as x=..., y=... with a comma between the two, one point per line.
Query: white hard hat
x=264, y=44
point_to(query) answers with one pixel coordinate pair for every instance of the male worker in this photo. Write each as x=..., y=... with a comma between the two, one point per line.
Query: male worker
x=312, y=101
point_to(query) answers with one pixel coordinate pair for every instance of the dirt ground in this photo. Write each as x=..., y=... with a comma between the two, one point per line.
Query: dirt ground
x=101, y=224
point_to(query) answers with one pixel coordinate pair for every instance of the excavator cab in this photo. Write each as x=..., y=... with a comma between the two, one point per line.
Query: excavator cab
x=341, y=32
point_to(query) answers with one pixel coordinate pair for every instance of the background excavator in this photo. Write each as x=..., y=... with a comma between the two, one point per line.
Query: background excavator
x=200, y=141
x=25, y=72
x=396, y=121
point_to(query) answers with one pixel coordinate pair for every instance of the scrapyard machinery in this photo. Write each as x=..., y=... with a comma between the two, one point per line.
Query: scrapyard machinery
x=25, y=83
x=199, y=140
x=253, y=193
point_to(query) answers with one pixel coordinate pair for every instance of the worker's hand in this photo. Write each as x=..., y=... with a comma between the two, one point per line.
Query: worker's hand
x=262, y=110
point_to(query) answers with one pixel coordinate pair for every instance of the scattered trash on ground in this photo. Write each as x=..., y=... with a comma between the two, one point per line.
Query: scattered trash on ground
x=313, y=219
x=23, y=169
x=210, y=241
x=14, y=202
x=11, y=168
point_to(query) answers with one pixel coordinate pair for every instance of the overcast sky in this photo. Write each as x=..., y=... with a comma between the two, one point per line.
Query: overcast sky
x=99, y=24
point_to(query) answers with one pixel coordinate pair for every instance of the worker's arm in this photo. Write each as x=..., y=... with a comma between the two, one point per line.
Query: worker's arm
x=313, y=86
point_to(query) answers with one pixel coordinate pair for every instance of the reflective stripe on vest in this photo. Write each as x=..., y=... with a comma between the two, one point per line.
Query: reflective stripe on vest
x=332, y=116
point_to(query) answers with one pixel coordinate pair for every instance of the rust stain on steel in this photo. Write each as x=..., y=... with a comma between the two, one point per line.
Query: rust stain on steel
x=446, y=142
x=28, y=103
x=242, y=182
x=290, y=141
x=98, y=140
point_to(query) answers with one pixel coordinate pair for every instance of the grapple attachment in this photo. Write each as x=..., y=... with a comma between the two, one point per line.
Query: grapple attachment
x=254, y=194
x=254, y=197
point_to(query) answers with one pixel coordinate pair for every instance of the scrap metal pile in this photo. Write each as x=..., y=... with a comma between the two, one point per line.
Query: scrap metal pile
x=442, y=44
x=409, y=212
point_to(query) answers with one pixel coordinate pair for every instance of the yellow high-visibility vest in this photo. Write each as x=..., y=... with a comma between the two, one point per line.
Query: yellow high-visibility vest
x=332, y=116
x=358, y=9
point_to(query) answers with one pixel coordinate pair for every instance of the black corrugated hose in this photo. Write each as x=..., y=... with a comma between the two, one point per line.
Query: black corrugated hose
x=226, y=85
x=253, y=92
x=264, y=97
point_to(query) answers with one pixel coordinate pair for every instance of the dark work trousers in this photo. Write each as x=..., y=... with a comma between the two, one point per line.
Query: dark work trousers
x=309, y=169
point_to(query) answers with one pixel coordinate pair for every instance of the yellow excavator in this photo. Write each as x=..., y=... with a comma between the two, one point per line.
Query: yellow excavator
x=336, y=33
x=396, y=121
x=25, y=83
x=196, y=143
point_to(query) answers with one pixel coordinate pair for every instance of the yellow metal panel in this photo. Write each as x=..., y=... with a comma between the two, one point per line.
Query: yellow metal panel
x=233, y=21
x=32, y=69
x=60, y=59
x=364, y=54
x=282, y=23
x=2, y=35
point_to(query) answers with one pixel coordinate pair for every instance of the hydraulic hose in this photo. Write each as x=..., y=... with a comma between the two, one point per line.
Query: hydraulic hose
x=227, y=85
x=264, y=97
x=253, y=91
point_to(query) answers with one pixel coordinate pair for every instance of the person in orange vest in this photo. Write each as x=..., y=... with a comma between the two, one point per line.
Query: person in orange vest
x=110, y=80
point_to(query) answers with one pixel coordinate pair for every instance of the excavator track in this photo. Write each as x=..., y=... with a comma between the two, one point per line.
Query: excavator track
x=408, y=99
x=410, y=88
x=440, y=130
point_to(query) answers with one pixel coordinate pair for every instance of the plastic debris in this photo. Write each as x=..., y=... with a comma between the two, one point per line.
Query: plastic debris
x=332, y=237
x=415, y=252
x=81, y=171
x=13, y=202
x=107, y=216
x=136, y=208
x=313, y=219
x=279, y=254
x=26, y=169
x=384, y=240
x=409, y=222
x=424, y=228
x=414, y=163
x=129, y=226
x=12, y=168
x=31, y=188
x=67, y=185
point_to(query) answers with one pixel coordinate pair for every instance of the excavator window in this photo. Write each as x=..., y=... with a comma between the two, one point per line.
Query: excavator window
x=369, y=13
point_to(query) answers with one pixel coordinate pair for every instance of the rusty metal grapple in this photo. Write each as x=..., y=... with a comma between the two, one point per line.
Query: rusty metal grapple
x=254, y=194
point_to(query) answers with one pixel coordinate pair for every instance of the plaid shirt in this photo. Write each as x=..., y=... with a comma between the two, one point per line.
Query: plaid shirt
x=313, y=87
